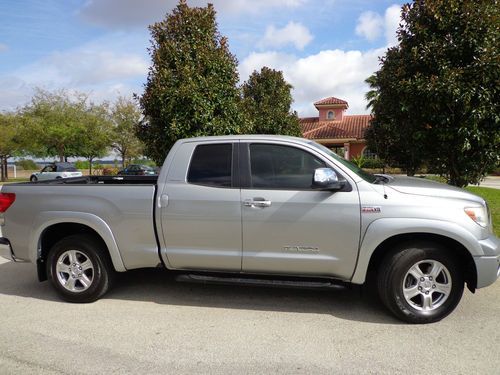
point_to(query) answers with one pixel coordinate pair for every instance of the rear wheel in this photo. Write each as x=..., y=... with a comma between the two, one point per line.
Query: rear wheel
x=420, y=283
x=79, y=268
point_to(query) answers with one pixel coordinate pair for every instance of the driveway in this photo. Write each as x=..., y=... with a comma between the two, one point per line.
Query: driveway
x=151, y=324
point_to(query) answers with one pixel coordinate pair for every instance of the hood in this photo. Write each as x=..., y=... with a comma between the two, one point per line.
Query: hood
x=423, y=186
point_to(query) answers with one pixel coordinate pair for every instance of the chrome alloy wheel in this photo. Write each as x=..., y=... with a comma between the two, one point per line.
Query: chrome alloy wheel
x=75, y=271
x=427, y=285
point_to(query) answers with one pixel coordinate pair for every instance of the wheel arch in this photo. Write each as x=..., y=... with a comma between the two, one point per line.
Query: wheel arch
x=54, y=229
x=466, y=260
x=377, y=242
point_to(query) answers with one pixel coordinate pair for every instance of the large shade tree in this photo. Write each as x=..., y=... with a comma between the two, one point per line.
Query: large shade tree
x=267, y=101
x=436, y=95
x=191, y=87
x=55, y=122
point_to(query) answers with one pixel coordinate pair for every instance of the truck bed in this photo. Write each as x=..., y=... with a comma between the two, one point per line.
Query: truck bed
x=106, y=180
x=119, y=205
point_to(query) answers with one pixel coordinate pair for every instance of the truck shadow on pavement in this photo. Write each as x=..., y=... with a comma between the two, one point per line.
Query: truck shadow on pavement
x=159, y=286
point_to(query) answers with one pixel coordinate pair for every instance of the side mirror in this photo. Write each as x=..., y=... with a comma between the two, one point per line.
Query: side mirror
x=326, y=179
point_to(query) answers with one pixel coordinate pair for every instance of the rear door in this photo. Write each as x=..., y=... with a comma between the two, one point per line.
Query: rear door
x=289, y=228
x=201, y=209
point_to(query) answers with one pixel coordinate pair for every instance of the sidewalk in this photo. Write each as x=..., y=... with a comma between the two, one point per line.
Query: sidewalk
x=490, y=182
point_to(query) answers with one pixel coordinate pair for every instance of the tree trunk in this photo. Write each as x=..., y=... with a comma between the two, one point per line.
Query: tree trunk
x=2, y=174
x=124, y=155
x=90, y=166
x=6, y=170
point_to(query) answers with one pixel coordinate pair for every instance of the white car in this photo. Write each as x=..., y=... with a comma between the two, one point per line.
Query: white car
x=55, y=171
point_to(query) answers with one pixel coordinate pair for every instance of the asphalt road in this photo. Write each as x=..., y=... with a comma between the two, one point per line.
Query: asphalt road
x=151, y=324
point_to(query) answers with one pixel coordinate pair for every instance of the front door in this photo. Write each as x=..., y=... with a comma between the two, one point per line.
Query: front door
x=289, y=228
x=48, y=173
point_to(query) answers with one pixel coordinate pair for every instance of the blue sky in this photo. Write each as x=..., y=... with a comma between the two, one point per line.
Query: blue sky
x=325, y=48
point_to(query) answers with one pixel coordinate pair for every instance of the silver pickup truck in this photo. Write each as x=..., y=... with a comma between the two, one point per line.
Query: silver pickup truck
x=257, y=210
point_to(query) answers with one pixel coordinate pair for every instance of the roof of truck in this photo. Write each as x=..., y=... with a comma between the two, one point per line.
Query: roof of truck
x=246, y=137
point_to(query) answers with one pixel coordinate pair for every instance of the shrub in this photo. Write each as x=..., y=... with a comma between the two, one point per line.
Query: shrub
x=149, y=163
x=359, y=161
x=109, y=171
x=27, y=164
x=373, y=163
x=82, y=164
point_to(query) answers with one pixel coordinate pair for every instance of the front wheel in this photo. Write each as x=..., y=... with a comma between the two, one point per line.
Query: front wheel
x=33, y=179
x=79, y=268
x=420, y=283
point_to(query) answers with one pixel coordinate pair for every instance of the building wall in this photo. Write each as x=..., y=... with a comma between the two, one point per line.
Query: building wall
x=356, y=149
x=323, y=113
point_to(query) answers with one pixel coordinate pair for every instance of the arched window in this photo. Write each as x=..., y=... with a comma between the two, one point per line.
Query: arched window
x=369, y=154
x=330, y=115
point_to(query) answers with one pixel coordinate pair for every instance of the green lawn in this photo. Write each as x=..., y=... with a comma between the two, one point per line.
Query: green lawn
x=13, y=180
x=492, y=196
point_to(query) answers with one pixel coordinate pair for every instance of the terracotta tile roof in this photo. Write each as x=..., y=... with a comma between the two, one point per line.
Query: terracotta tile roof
x=331, y=100
x=308, y=124
x=349, y=127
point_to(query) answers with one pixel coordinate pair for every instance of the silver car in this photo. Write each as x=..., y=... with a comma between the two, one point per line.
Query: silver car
x=56, y=171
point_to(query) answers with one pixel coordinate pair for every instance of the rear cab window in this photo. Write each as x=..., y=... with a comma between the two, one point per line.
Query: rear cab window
x=212, y=165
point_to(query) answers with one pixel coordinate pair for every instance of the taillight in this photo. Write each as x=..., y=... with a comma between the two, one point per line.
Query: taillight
x=6, y=199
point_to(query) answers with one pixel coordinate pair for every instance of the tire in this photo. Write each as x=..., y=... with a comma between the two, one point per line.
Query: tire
x=420, y=283
x=33, y=179
x=80, y=269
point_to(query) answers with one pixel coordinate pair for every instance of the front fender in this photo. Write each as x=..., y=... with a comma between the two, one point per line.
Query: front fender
x=382, y=229
x=48, y=218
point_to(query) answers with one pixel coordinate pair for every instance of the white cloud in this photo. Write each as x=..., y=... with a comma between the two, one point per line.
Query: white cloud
x=134, y=13
x=293, y=33
x=111, y=58
x=13, y=92
x=84, y=67
x=327, y=73
x=100, y=68
x=3, y=47
x=392, y=19
x=370, y=25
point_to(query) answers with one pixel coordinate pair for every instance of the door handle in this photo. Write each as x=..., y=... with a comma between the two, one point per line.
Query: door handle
x=257, y=202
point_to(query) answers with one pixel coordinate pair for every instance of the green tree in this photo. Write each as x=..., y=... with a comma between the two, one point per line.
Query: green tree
x=126, y=118
x=440, y=88
x=55, y=121
x=395, y=133
x=267, y=101
x=191, y=86
x=11, y=140
x=94, y=139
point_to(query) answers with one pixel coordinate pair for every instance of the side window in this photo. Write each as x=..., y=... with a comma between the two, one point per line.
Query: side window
x=282, y=167
x=211, y=165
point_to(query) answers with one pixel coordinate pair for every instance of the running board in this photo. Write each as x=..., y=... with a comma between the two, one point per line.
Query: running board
x=250, y=281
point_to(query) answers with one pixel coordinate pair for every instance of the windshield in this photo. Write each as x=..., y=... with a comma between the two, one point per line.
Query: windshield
x=353, y=167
